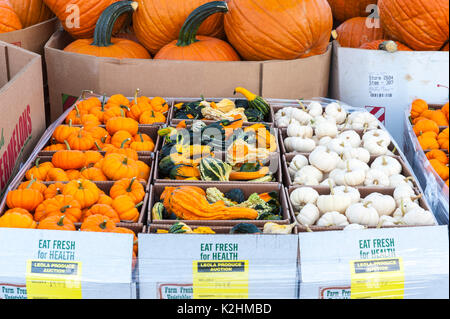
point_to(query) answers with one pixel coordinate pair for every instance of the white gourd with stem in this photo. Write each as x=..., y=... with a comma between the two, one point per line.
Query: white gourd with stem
x=332, y=219
x=376, y=178
x=308, y=215
x=353, y=192
x=352, y=137
x=336, y=111
x=384, y=204
x=389, y=165
x=363, y=214
x=359, y=153
x=333, y=202
x=301, y=196
x=324, y=160
x=297, y=162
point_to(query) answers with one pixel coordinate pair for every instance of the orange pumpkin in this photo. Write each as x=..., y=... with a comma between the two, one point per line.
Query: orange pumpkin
x=39, y=170
x=121, y=139
x=144, y=171
x=158, y=22
x=427, y=143
x=118, y=166
x=98, y=223
x=422, y=25
x=84, y=191
x=437, y=116
x=142, y=144
x=31, y=12
x=347, y=9
x=57, y=222
x=53, y=190
x=34, y=184
x=441, y=169
x=93, y=174
x=443, y=139
x=20, y=211
x=59, y=205
x=104, y=199
x=57, y=174
x=425, y=126
x=438, y=155
x=418, y=106
x=62, y=132
x=9, y=20
x=26, y=198
x=129, y=187
x=69, y=159
x=103, y=209
x=444, y=109
x=354, y=32
x=17, y=220
x=126, y=208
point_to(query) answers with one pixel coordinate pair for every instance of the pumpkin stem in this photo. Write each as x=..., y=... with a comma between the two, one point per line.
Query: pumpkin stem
x=105, y=24
x=64, y=208
x=31, y=182
x=302, y=105
x=122, y=113
x=37, y=162
x=98, y=146
x=67, y=144
x=102, y=225
x=70, y=122
x=61, y=221
x=389, y=46
x=331, y=187
x=367, y=204
x=131, y=183
x=124, y=142
x=383, y=161
x=136, y=95
x=103, y=102
x=142, y=139
x=190, y=27
x=139, y=204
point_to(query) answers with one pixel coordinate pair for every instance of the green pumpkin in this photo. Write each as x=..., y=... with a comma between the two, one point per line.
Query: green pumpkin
x=236, y=195
x=158, y=211
x=254, y=115
x=213, y=169
x=244, y=228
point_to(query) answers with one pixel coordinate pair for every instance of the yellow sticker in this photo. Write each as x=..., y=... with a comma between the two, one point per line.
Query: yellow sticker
x=377, y=279
x=219, y=279
x=49, y=279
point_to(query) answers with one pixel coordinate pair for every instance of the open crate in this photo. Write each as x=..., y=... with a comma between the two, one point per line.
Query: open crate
x=157, y=189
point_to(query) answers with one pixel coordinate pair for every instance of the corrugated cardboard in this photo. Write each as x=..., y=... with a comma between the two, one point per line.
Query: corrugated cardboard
x=22, y=108
x=386, y=83
x=177, y=78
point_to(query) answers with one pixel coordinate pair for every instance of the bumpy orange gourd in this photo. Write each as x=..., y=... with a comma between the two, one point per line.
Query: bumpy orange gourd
x=9, y=20
x=355, y=32
x=278, y=30
x=188, y=203
x=422, y=25
x=158, y=22
x=347, y=9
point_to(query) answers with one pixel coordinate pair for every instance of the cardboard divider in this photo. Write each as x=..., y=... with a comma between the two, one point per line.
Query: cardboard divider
x=274, y=157
x=158, y=188
x=287, y=158
x=175, y=121
x=323, y=190
x=283, y=134
x=152, y=228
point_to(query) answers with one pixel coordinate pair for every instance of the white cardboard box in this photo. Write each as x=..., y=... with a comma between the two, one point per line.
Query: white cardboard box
x=386, y=83
x=325, y=260
x=104, y=272
x=166, y=263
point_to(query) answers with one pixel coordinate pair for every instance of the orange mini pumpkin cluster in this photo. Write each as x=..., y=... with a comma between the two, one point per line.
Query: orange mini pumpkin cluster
x=432, y=131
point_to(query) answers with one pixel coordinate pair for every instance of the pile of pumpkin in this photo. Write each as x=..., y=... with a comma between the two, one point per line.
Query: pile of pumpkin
x=403, y=25
x=432, y=131
x=21, y=14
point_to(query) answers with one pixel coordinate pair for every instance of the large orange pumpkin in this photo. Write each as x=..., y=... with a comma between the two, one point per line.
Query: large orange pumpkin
x=278, y=30
x=103, y=45
x=347, y=9
x=88, y=12
x=198, y=48
x=355, y=32
x=158, y=22
x=31, y=12
x=419, y=24
x=9, y=20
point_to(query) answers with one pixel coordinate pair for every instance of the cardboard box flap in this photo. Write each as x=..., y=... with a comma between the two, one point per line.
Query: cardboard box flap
x=3, y=66
x=294, y=79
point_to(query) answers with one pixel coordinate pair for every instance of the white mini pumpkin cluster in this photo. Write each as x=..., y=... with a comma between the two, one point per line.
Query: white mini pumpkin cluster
x=344, y=207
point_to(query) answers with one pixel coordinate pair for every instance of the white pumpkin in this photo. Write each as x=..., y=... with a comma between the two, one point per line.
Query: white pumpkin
x=384, y=204
x=308, y=215
x=389, y=165
x=327, y=182
x=354, y=177
x=298, y=130
x=311, y=171
x=324, y=141
x=284, y=112
x=375, y=147
x=363, y=121
x=338, y=145
x=298, y=144
x=333, y=202
x=283, y=121
x=324, y=160
x=315, y=109
x=404, y=193
x=301, y=116
x=326, y=128
x=376, y=178
x=332, y=219
x=419, y=217
x=337, y=175
x=297, y=162
x=306, y=180
x=354, y=193
x=386, y=220
x=363, y=214
x=399, y=179
x=353, y=164
x=354, y=227
x=336, y=111
x=302, y=196
x=358, y=153
x=352, y=137
x=404, y=207
x=379, y=135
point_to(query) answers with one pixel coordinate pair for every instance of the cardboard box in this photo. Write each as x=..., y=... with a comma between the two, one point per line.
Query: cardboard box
x=32, y=38
x=22, y=108
x=386, y=83
x=70, y=73
x=270, y=266
x=423, y=272
x=92, y=270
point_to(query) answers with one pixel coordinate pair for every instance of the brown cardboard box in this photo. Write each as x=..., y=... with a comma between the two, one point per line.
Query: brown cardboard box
x=70, y=73
x=22, y=107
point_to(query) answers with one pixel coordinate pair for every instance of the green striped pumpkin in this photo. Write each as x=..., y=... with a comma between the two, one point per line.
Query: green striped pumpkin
x=213, y=169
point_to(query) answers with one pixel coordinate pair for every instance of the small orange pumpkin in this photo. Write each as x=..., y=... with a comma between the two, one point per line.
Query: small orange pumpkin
x=27, y=198
x=57, y=223
x=103, y=209
x=129, y=187
x=126, y=208
x=17, y=220
x=418, y=106
x=98, y=223
x=438, y=155
x=425, y=126
x=84, y=191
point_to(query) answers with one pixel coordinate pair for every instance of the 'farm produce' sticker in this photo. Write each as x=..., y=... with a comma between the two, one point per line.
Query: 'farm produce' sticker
x=377, y=278
x=49, y=279
x=219, y=279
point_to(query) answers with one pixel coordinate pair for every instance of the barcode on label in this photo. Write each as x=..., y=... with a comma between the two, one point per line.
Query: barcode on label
x=380, y=94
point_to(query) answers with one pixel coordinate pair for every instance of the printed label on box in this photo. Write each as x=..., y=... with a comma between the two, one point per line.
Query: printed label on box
x=175, y=291
x=334, y=292
x=12, y=291
x=217, y=279
x=377, y=278
x=381, y=85
x=48, y=279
